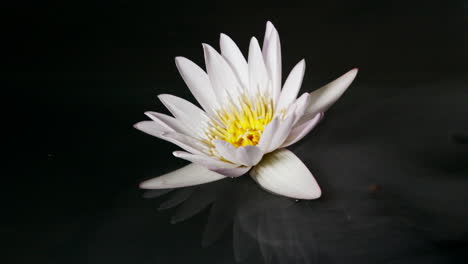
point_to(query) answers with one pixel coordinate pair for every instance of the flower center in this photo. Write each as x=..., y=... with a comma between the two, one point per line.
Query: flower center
x=243, y=123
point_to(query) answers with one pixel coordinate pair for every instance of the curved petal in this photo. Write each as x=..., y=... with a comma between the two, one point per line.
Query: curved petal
x=234, y=57
x=291, y=86
x=205, y=161
x=268, y=134
x=275, y=133
x=258, y=75
x=323, y=98
x=183, y=141
x=281, y=133
x=272, y=56
x=300, y=131
x=189, y=143
x=221, y=75
x=300, y=106
x=198, y=83
x=168, y=122
x=232, y=172
x=249, y=155
x=189, y=175
x=188, y=114
x=283, y=173
x=246, y=155
x=226, y=150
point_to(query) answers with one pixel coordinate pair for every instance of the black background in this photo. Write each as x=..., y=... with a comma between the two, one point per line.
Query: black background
x=82, y=73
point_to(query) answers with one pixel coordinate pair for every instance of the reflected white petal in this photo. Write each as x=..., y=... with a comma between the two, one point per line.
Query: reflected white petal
x=189, y=175
x=281, y=172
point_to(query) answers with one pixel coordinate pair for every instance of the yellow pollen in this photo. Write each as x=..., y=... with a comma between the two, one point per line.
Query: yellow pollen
x=243, y=123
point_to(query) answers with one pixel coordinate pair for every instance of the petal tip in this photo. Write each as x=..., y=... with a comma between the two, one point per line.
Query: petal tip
x=146, y=185
x=354, y=71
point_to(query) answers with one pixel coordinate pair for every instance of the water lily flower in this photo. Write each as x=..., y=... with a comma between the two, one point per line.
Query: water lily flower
x=246, y=120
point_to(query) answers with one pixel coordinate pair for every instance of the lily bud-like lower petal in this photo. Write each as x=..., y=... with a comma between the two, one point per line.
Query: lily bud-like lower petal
x=283, y=173
x=189, y=175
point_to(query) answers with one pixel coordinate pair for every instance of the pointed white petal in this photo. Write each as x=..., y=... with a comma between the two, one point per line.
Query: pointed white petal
x=323, y=98
x=152, y=128
x=291, y=86
x=283, y=173
x=169, y=122
x=281, y=133
x=300, y=106
x=268, y=134
x=258, y=75
x=232, y=172
x=226, y=150
x=249, y=155
x=234, y=57
x=272, y=56
x=222, y=77
x=298, y=132
x=198, y=83
x=189, y=175
x=206, y=161
x=187, y=113
x=188, y=143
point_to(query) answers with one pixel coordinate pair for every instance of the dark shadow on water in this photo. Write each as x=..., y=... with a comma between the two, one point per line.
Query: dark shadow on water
x=394, y=177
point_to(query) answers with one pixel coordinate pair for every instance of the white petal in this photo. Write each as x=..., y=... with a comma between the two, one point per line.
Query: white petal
x=226, y=150
x=152, y=128
x=249, y=155
x=246, y=155
x=258, y=75
x=298, y=132
x=232, y=172
x=272, y=56
x=300, y=106
x=187, y=113
x=206, y=161
x=222, y=77
x=170, y=123
x=234, y=57
x=275, y=133
x=189, y=175
x=268, y=134
x=281, y=133
x=323, y=98
x=198, y=83
x=291, y=86
x=283, y=173
x=188, y=143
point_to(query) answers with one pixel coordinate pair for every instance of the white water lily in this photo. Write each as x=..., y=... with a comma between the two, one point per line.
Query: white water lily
x=247, y=119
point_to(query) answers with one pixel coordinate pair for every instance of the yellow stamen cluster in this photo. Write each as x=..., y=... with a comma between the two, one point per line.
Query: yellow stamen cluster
x=243, y=123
